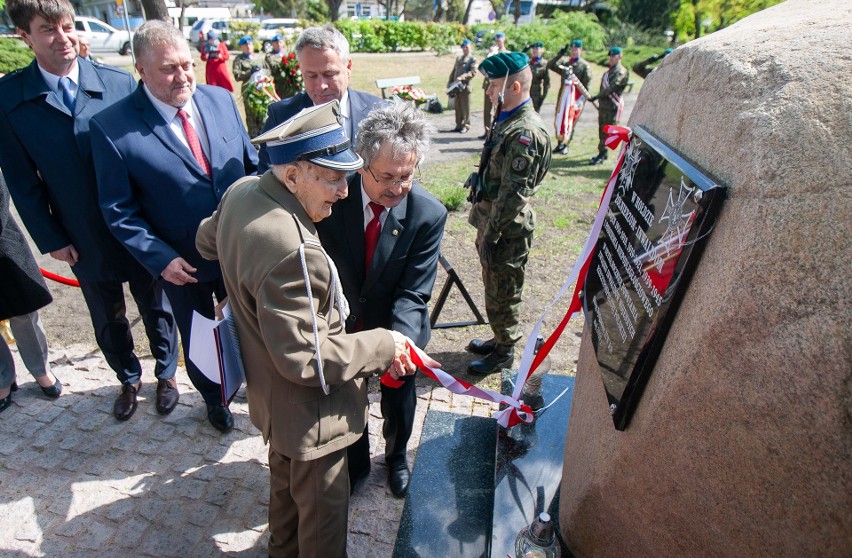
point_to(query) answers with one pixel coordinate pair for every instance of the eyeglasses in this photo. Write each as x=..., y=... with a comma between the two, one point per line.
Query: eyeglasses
x=397, y=183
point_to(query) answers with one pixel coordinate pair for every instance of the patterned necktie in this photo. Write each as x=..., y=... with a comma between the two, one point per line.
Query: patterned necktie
x=194, y=142
x=67, y=96
x=371, y=235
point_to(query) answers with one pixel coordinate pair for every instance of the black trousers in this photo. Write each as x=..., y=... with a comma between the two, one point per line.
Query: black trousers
x=398, y=406
x=184, y=300
x=107, y=309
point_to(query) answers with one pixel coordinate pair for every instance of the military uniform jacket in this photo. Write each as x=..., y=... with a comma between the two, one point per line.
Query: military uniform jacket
x=256, y=233
x=464, y=70
x=613, y=83
x=243, y=65
x=579, y=66
x=518, y=164
x=540, y=79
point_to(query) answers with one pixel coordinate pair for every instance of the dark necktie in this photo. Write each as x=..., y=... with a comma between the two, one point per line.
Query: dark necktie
x=67, y=96
x=194, y=142
x=371, y=235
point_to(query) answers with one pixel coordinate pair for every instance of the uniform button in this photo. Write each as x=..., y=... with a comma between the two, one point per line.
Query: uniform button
x=362, y=299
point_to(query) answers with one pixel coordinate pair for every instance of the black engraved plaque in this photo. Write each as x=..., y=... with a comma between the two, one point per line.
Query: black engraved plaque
x=662, y=210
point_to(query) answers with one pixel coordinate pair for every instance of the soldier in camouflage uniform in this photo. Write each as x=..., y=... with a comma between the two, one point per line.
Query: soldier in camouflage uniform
x=610, y=100
x=540, y=76
x=274, y=58
x=502, y=214
x=580, y=68
x=244, y=66
x=464, y=70
x=644, y=69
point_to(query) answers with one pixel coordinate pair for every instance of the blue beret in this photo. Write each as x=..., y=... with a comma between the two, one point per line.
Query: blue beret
x=537, y=44
x=212, y=34
x=615, y=51
x=504, y=64
x=245, y=39
x=577, y=43
x=277, y=37
x=499, y=35
x=314, y=134
x=465, y=42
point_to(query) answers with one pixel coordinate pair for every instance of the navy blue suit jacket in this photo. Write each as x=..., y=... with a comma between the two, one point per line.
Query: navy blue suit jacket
x=153, y=192
x=46, y=157
x=360, y=104
x=395, y=291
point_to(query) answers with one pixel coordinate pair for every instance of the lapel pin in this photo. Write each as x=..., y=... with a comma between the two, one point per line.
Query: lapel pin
x=395, y=232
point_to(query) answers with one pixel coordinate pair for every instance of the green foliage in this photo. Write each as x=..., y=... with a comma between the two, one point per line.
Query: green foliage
x=374, y=35
x=315, y=10
x=554, y=33
x=451, y=196
x=240, y=27
x=713, y=15
x=14, y=54
x=648, y=14
x=625, y=34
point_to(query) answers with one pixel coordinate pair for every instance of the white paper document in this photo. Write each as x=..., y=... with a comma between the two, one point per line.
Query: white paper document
x=215, y=349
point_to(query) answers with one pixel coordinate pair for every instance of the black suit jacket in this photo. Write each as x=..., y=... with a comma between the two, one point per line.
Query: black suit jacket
x=360, y=104
x=395, y=291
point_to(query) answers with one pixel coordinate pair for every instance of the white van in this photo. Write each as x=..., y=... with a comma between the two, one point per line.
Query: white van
x=191, y=14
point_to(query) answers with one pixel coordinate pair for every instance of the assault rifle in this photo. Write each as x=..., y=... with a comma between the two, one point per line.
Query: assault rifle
x=474, y=181
x=579, y=84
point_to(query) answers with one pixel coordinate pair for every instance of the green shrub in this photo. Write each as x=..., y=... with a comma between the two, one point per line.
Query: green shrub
x=451, y=196
x=554, y=33
x=14, y=54
x=625, y=34
x=375, y=35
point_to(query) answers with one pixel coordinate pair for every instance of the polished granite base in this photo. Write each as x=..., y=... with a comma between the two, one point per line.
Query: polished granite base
x=468, y=498
x=529, y=463
x=450, y=498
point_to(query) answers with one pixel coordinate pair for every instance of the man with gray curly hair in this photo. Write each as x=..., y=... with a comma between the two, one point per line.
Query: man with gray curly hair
x=385, y=238
x=323, y=54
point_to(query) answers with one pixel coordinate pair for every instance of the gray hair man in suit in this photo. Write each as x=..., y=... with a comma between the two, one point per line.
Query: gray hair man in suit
x=323, y=54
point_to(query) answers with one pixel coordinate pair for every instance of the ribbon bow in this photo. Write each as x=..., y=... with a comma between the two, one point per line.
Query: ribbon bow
x=616, y=135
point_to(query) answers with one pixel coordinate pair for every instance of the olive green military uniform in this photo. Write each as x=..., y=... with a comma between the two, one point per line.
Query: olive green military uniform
x=244, y=66
x=580, y=68
x=464, y=70
x=613, y=84
x=276, y=70
x=518, y=164
x=540, y=82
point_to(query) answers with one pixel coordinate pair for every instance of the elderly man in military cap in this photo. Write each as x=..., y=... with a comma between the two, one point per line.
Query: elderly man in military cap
x=610, y=100
x=570, y=100
x=305, y=376
x=458, y=86
x=244, y=68
x=540, y=76
x=518, y=157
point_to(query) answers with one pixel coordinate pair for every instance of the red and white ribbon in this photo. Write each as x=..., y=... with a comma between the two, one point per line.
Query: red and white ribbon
x=516, y=411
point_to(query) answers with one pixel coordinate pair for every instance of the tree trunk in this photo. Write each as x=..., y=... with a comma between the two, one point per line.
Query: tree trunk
x=697, y=18
x=333, y=9
x=156, y=9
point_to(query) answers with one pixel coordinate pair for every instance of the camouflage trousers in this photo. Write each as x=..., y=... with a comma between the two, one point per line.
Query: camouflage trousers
x=504, y=286
x=606, y=116
x=254, y=123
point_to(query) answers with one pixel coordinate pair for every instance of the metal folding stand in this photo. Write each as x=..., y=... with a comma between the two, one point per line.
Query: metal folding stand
x=453, y=279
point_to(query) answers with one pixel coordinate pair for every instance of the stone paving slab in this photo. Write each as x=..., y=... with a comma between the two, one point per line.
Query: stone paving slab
x=76, y=482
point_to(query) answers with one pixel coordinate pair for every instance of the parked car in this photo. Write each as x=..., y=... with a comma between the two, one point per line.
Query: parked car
x=284, y=26
x=102, y=36
x=200, y=28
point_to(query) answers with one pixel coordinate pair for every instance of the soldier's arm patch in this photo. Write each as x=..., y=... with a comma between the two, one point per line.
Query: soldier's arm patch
x=519, y=164
x=524, y=139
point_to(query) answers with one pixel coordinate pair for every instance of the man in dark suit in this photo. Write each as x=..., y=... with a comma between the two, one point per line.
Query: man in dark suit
x=46, y=156
x=385, y=238
x=323, y=54
x=164, y=156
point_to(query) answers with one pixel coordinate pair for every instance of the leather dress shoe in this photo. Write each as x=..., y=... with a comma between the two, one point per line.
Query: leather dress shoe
x=53, y=391
x=6, y=402
x=497, y=360
x=220, y=417
x=398, y=479
x=597, y=159
x=125, y=403
x=167, y=396
x=480, y=347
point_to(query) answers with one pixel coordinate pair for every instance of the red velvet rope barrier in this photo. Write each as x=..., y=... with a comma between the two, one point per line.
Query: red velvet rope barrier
x=58, y=278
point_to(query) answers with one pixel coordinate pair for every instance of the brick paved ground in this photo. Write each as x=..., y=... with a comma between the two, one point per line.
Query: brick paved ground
x=76, y=482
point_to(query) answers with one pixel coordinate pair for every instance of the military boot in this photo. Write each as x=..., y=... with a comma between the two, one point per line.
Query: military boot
x=598, y=159
x=480, y=347
x=501, y=357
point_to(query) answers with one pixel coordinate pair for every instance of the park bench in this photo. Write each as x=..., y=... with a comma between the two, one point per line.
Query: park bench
x=386, y=83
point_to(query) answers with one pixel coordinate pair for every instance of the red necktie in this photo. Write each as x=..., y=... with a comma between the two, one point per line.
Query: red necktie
x=371, y=235
x=194, y=142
